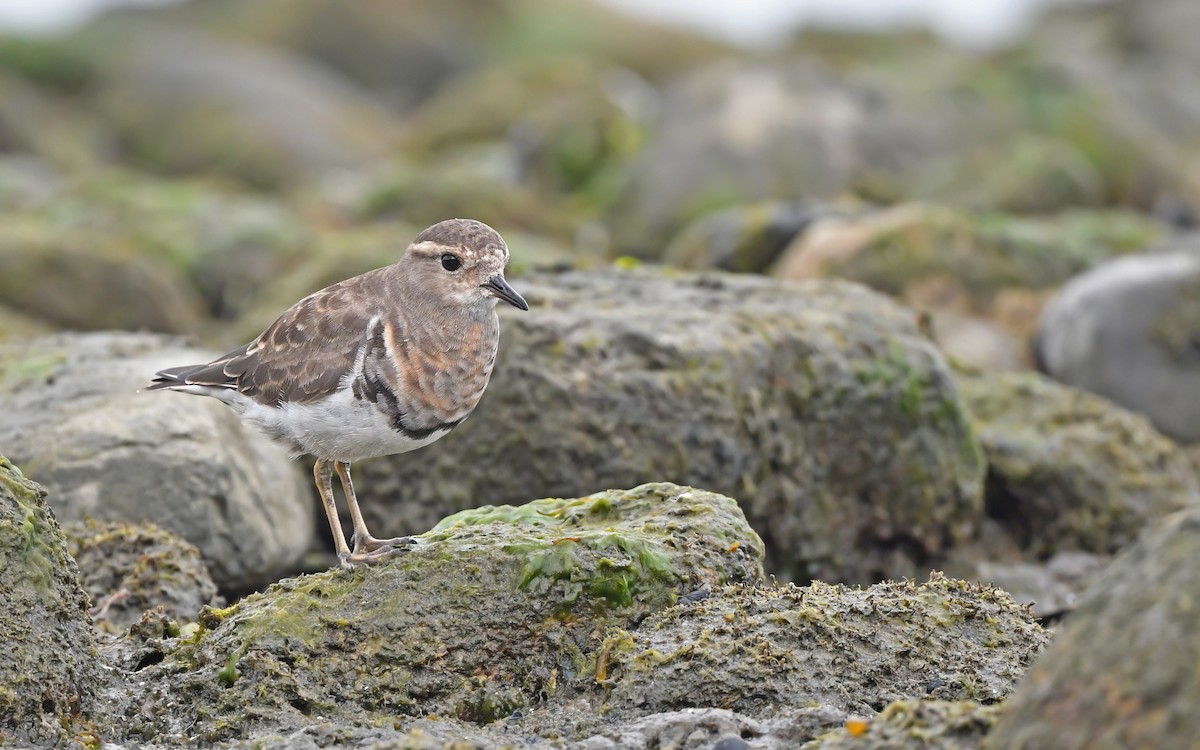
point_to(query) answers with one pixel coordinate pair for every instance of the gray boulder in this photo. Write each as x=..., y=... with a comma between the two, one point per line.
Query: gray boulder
x=49, y=670
x=1130, y=330
x=185, y=102
x=75, y=420
x=819, y=405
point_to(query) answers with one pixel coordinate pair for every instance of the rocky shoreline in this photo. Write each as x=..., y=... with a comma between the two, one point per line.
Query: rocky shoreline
x=856, y=404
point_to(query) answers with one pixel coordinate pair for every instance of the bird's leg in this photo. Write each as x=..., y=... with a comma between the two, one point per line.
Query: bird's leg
x=364, y=543
x=323, y=475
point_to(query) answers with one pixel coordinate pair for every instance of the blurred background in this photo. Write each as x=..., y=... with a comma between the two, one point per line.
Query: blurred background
x=965, y=158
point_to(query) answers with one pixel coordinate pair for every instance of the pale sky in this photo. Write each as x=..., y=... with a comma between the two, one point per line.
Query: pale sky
x=746, y=22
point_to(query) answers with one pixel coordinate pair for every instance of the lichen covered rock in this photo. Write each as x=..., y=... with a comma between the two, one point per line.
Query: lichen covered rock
x=49, y=672
x=494, y=610
x=755, y=649
x=1068, y=470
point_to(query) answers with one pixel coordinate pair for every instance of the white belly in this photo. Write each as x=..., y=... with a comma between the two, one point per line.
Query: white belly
x=339, y=428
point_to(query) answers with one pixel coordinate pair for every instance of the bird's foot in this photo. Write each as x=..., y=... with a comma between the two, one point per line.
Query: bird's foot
x=368, y=543
x=378, y=555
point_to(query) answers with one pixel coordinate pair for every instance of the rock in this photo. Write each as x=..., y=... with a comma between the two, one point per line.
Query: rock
x=172, y=237
x=916, y=725
x=49, y=669
x=1139, y=67
x=745, y=238
x=74, y=417
x=15, y=326
x=819, y=405
x=957, y=264
x=706, y=154
x=496, y=609
x=976, y=342
x=1128, y=330
x=403, y=54
x=751, y=650
x=181, y=102
x=1122, y=671
x=27, y=181
x=716, y=729
x=1071, y=471
x=1052, y=588
x=128, y=569
x=82, y=280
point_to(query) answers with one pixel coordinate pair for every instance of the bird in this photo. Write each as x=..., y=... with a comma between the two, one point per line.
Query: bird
x=382, y=363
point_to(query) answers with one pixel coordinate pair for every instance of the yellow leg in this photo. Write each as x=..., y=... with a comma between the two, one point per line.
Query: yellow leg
x=323, y=475
x=364, y=543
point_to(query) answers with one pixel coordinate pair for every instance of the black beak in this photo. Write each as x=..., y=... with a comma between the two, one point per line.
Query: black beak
x=500, y=288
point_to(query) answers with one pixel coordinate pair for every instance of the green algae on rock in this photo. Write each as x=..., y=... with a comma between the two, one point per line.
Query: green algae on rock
x=1068, y=470
x=754, y=650
x=495, y=610
x=49, y=672
x=129, y=568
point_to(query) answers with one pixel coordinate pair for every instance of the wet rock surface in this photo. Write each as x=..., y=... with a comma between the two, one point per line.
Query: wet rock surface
x=820, y=406
x=74, y=419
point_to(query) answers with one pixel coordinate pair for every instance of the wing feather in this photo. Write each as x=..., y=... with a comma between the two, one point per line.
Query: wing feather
x=301, y=357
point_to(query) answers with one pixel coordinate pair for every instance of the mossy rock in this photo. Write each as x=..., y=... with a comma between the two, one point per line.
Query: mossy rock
x=495, y=610
x=77, y=279
x=180, y=102
x=49, y=668
x=1068, y=470
x=754, y=650
x=128, y=569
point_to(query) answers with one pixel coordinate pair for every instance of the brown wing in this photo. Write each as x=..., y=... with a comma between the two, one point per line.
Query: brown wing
x=301, y=357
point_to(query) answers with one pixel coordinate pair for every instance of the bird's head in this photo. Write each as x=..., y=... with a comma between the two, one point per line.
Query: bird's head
x=461, y=262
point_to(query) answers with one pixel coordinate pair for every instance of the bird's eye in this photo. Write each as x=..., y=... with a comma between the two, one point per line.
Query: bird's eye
x=450, y=262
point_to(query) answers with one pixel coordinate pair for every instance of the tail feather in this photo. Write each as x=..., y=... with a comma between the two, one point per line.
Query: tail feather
x=210, y=374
